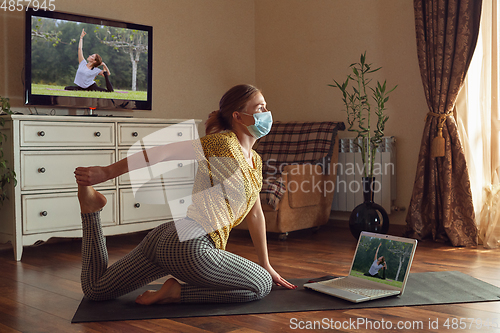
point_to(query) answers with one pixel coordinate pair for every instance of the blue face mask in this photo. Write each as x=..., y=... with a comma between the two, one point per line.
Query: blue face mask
x=263, y=124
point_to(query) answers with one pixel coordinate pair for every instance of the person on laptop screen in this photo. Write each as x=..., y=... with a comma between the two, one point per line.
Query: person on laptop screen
x=378, y=263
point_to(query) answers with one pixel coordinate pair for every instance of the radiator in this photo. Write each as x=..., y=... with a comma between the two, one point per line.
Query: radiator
x=348, y=189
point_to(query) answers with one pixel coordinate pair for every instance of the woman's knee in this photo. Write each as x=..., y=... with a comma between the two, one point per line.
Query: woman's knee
x=95, y=294
x=265, y=285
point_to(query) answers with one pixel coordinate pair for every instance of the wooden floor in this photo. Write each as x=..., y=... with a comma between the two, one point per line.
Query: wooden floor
x=42, y=292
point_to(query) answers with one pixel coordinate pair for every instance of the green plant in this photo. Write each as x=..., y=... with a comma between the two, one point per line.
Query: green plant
x=359, y=107
x=6, y=174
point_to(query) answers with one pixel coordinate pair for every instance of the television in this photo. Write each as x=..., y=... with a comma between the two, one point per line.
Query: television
x=52, y=61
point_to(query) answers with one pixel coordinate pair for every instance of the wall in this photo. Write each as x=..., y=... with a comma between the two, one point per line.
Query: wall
x=301, y=46
x=200, y=49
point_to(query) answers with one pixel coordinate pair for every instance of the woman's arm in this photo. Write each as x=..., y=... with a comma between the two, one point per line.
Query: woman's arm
x=80, y=47
x=257, y=227
x=106, y=69
x=376, y=252
x=88, y=176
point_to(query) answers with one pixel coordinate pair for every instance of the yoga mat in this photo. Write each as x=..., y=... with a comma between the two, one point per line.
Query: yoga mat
x=428, y=288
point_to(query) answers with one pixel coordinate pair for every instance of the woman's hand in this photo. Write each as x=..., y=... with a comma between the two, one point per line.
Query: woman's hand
x=88, y=176
x=83, y=33
x=278, y=280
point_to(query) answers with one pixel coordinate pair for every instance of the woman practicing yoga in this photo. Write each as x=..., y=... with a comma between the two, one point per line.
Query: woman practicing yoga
x=378, y=263
x=225, y=191
x=88, y=70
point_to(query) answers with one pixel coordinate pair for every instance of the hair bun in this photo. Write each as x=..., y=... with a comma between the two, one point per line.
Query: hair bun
x=214, y=113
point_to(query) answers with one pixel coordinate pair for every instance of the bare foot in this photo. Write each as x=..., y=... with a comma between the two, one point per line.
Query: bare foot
x=170, y=292
x=90, y=200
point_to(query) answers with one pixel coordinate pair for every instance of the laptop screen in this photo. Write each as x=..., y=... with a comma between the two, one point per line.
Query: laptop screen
x=383, y=259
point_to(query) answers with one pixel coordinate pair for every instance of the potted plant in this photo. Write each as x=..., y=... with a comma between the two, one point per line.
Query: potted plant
x=361, y=99
x=6, y=174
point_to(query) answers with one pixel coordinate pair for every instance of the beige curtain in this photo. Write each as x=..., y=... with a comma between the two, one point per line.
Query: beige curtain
x=479, y=125
x=441, y=206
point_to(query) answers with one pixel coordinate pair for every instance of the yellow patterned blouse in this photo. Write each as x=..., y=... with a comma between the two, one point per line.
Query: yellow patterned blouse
x=226, y=187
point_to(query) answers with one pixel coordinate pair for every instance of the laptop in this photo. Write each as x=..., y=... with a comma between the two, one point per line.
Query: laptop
x=380, y=268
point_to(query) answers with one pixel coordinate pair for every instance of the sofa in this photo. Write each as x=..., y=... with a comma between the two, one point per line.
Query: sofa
x=299, y=175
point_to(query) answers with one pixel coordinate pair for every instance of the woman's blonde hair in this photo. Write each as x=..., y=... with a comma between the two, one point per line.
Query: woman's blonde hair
x=235, y=99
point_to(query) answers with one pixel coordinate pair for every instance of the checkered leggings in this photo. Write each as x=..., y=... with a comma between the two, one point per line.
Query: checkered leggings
x=210, y=274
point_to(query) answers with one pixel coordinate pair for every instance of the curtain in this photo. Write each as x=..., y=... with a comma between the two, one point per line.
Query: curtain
x=441, y=205
x=478, y=121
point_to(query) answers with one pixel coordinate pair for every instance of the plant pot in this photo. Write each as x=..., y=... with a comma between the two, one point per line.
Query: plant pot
x=368, y=216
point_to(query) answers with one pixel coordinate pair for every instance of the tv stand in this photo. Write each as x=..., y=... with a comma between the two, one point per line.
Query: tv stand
x=44, y=151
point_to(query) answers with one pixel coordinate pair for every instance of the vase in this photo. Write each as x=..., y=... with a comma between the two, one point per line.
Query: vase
x=368, y=216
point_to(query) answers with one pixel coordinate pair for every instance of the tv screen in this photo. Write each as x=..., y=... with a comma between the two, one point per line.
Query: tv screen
x=62, y=51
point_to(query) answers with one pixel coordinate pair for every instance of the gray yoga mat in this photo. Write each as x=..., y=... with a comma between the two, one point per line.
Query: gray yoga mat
x=428, y=288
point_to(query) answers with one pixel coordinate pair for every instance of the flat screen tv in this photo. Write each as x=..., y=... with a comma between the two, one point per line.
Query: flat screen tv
x=52, y=60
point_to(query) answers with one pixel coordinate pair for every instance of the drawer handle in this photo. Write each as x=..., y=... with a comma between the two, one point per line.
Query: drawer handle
x=41, y=133
x=181, y=201
x=180, y=165
x=137, y=205
x=44, y=213
x=179, y=134
x=41, y=170
x=135, y=134
x=97, y=134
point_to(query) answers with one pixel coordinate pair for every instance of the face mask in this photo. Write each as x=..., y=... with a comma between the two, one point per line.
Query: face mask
x=263, y=124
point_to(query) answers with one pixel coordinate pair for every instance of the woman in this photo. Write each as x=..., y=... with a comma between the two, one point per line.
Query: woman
x=192, y=250
x=378, y=263
x=88, y=70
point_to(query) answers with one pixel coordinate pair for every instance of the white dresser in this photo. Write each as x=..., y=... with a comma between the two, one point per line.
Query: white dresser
x=44, y=152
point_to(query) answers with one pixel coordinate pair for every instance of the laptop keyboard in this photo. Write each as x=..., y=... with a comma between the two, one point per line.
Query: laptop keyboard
x=344, y=284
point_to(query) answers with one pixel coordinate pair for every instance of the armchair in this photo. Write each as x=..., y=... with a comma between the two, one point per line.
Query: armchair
x=299, y=160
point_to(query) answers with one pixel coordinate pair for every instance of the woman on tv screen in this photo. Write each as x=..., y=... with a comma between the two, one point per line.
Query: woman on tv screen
x=88, y=70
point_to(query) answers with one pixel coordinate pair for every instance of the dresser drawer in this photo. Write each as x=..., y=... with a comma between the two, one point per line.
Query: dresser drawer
x=152, y=134
x=61, y=211
x=66, y=134
x=155, y=203
x=177, y=171
x=55, y=169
